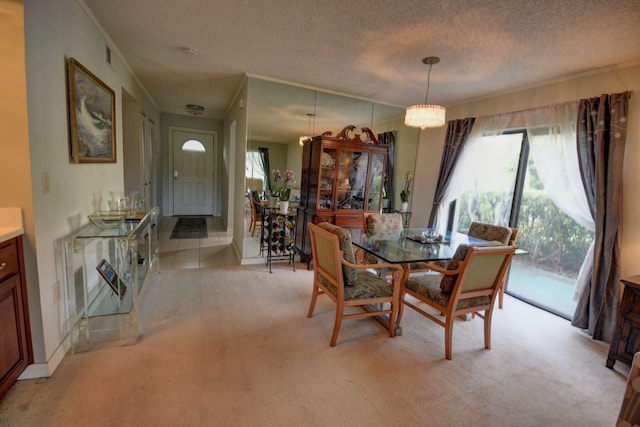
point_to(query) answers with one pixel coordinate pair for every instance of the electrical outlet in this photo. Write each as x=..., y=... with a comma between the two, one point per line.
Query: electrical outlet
x=46, y=183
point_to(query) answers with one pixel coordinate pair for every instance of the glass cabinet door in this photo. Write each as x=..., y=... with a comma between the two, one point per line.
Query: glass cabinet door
x=375, y=182
x=352, y=179
x=327, y=178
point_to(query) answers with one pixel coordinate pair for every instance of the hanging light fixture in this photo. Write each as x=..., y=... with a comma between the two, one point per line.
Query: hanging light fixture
x=426, y=115
x=194, y=109
x=307, y=137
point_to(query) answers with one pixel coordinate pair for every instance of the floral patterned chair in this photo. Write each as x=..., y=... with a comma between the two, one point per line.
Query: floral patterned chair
x=381, y=226
x=490, y=232
x=468, y=284
x=347, y=283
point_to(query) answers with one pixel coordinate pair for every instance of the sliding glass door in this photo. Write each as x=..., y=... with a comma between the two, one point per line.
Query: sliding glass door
x=501, y=185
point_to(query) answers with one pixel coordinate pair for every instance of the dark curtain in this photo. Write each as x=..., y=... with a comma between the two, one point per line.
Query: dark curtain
x=458, y=132
x=264, y=156
x=601, y=135
x=389, y=138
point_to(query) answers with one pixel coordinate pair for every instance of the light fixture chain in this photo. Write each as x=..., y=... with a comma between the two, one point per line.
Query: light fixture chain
x=428, y=84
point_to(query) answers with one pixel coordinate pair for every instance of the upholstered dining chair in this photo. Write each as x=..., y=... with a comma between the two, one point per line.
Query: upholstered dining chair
x=468, y=284
x=256, y=212
x=380, y=226
x=490, y=232
x=494, y=233
x=347, y=283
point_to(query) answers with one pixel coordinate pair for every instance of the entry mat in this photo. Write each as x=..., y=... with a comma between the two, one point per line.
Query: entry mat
x=190, y=228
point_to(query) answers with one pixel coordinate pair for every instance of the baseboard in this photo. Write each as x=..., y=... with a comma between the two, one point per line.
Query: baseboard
x=45, y=370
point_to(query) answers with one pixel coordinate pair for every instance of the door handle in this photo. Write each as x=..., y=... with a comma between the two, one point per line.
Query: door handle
x=175, y=174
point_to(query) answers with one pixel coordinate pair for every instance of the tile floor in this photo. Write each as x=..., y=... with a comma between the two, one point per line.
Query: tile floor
x=214, y=251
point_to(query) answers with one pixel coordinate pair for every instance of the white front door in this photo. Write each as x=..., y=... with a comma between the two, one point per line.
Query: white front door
x=192, y=173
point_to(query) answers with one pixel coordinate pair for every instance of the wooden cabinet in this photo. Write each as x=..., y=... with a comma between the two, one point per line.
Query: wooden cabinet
x=342, y=177
x=626, y=337
x=15, y=339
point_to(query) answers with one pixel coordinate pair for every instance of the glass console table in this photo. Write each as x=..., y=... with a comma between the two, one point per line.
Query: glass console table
x=99, y=314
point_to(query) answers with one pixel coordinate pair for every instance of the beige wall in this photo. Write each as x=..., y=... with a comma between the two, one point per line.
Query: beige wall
x=54, y=31
x=612, y=80
x=15, y=165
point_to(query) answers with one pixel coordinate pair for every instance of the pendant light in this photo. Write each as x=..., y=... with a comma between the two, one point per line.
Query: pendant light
x=426, y=115
x=307, y=137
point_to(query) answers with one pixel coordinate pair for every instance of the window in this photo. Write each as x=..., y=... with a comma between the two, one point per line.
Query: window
x=193, y=146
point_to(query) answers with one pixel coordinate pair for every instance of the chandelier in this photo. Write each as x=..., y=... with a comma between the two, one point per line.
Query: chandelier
x=196, y=110
x=426, y=115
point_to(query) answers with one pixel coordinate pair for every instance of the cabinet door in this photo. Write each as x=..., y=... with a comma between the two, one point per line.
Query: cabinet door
x=327, y=179
x=374, y=194
x=13, y=334
x=352, y=180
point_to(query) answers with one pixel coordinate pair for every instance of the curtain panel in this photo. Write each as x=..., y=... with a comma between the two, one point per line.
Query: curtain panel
x=264, y=156
x=601, y=138
x=389, y=138
x=458, y=132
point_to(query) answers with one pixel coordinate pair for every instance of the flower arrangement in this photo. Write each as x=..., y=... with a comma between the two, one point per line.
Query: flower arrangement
x=275, y=187
x=406, y=193
x=285, y=192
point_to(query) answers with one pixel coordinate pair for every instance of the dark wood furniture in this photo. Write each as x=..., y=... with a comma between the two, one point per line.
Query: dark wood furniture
x=626, y=337
x=342, y=177
x=15, y=333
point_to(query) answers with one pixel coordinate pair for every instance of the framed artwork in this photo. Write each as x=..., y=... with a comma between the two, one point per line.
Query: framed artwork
x=92, y=107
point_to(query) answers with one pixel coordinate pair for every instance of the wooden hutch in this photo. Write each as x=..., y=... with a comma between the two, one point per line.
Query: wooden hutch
x=342, y=177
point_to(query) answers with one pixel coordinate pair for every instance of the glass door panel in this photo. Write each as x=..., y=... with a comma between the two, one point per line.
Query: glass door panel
x=375, y=182
x=490, y=172
x=327, y=179
x=555, y=248
x=352, y=177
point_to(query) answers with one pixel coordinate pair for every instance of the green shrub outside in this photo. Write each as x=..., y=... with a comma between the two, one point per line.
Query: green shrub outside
x=554, y=241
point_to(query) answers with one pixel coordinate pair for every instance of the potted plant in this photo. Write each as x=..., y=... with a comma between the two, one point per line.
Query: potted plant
x=285, y=191
x=405, y=194
x=275, y=187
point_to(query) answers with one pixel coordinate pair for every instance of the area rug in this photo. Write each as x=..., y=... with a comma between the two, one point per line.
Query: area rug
x=190, y=228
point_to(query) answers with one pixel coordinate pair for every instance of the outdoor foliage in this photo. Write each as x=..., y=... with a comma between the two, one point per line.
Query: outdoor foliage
x=554, y=241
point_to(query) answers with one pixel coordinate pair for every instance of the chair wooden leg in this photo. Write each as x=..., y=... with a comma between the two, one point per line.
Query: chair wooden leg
x=448, y=337
x=501, y=296
x=392, y=320
x=487, y=329
x=336, y=326
x=314, y=297
x=400, y=308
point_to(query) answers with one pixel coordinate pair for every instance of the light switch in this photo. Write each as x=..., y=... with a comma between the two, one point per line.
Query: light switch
x=46, y=184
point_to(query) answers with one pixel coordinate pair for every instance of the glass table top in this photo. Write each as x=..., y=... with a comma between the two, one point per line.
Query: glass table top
x=408, y=246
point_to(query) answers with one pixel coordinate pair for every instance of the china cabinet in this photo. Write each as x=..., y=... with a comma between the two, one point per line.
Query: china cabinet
x=626, y=336
x=342, y=177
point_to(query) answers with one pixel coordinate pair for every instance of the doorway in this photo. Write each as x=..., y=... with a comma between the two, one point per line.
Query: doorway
x=193, y=159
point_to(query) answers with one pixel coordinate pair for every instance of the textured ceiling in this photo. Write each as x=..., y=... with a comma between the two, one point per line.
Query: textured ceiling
x=367, y=48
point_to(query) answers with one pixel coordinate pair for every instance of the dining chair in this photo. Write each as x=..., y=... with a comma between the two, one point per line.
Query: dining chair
x=381, y=226
x=496, y=233
x=256, y=212
x=490, y=232
x=468, y=284
x=347, y=283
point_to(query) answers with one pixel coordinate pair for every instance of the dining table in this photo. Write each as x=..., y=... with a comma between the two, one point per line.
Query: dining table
x=409, y=247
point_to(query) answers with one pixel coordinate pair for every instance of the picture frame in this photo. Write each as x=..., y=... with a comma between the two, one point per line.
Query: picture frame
x=111, y=277
x=92, y=116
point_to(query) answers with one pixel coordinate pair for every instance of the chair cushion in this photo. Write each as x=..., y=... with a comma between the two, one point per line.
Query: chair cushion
x=367, y=285
x=384, y=226
x=428, y=286
x=344, y=238
x=490, y=232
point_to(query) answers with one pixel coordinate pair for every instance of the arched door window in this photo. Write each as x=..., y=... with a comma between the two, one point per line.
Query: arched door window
x=194, y=146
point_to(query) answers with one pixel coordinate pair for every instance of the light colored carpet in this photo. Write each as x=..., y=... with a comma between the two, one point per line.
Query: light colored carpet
x=232, y=346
